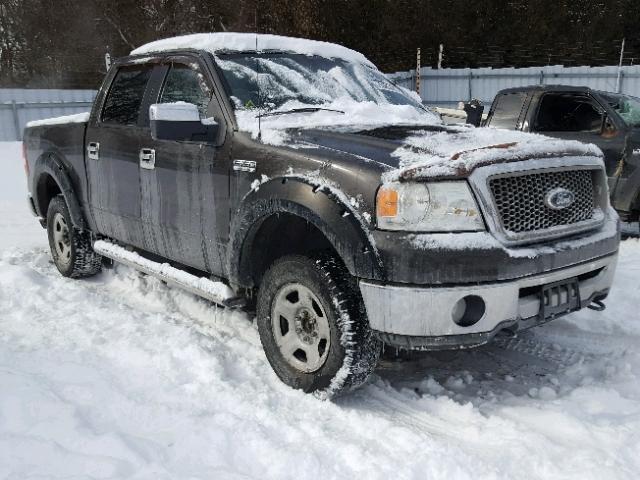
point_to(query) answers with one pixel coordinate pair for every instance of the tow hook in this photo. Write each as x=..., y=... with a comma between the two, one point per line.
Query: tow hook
x=597, y=305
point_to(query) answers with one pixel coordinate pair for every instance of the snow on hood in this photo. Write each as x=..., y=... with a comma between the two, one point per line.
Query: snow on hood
x=243, y=42
x=460, y=150
x=76, y=118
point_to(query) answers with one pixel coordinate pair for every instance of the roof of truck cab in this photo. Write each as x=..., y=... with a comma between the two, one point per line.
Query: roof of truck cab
x=547, y=88
x=227, y=42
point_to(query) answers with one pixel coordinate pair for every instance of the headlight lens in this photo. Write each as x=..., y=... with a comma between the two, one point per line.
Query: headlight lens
x=428, y=207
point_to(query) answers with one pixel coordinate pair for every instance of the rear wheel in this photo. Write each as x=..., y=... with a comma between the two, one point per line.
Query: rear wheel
x=313, y=325
x=70, y=248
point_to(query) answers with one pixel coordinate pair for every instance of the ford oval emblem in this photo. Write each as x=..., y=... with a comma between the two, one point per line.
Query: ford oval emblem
x=559, y=198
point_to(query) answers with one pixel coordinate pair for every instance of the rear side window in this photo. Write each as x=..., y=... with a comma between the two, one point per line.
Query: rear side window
x=184, y=84
x=124, y=99
x=507, y=110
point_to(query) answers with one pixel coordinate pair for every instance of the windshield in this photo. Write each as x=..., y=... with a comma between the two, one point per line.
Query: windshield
x=290, y=81
x=627, y=107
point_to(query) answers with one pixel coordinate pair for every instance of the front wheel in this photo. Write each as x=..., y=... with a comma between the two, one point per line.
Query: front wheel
x=313, y=325
x=71, y=248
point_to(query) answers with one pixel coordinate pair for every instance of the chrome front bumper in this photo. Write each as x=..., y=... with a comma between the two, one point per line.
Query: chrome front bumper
x=427, y=312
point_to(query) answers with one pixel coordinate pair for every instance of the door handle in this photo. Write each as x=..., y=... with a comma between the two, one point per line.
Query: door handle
x=93, y=150
x=148, y=158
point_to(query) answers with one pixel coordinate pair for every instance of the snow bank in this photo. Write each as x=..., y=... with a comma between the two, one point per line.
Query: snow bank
x=243, y=42
x=75, y=118
x=446, y=154
x=120, y=376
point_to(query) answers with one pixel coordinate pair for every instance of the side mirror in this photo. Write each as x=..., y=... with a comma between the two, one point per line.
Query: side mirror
x=607, y=128
x=181, y=121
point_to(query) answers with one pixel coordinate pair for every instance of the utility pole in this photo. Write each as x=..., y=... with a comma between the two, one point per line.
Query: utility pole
x=619, y=79
x=440, y=56
x=418, y=72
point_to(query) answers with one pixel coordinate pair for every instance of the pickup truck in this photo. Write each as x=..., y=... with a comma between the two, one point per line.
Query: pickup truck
x=291, y=178
x=609, y=120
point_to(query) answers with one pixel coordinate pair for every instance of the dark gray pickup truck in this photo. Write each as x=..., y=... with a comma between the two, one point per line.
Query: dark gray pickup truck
x=609, y=120
x=291, y=177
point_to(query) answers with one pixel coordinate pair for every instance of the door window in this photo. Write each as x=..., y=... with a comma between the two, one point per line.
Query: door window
x=568, y=113
x=507, y=110
x=184, y=84
x=122, y=105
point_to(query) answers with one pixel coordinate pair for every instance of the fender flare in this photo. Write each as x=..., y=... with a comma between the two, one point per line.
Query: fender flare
x=321, y=205
x=51, y=165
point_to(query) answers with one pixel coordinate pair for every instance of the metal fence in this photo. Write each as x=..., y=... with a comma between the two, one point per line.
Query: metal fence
x=447, y=87
x=19, y=106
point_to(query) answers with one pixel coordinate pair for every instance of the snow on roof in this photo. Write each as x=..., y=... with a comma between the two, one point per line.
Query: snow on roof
x=241, y=42
x=460, y=150
x=75, y=118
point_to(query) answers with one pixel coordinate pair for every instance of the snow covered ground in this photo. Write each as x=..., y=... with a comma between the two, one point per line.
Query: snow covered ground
x=122, y=377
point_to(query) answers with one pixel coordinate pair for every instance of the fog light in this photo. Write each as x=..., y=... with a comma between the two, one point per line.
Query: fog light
x=468, y=310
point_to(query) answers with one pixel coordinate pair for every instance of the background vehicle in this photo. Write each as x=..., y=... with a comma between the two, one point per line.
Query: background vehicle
x=298, y=180
x=609, y=120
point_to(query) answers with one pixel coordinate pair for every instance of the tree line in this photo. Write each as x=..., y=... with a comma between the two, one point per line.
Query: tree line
x=54, y=43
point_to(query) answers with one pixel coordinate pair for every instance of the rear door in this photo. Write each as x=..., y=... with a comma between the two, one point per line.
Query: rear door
x=177, y=193
x=113, y=144
x=507, y=111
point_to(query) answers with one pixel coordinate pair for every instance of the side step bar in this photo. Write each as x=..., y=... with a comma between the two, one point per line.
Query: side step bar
x=216, y=292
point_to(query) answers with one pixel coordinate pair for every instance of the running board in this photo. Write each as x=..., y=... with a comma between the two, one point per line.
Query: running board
x=216, y=292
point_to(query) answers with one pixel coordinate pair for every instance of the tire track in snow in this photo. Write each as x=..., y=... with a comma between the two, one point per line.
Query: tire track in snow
x=532, y=345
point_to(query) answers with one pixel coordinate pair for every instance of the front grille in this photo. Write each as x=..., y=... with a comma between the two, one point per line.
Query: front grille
x=520, y=200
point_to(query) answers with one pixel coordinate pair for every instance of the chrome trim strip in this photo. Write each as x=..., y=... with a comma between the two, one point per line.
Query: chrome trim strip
x=214, y=291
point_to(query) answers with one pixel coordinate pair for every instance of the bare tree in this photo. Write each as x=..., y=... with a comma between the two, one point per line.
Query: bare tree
x=53, y=43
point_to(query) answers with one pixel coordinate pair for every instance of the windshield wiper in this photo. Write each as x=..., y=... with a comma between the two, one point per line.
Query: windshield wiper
x=298, y=110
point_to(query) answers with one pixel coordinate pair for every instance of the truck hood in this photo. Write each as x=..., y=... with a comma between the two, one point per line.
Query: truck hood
x=417, y=152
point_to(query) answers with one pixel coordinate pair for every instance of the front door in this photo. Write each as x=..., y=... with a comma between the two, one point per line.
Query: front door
x=176, y=201
x=577, y=116
x=113, y=143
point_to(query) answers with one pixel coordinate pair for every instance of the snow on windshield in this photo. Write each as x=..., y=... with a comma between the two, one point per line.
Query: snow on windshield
x=277, y=82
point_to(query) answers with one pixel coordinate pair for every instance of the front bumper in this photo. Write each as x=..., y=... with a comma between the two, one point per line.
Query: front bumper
x=419, y=317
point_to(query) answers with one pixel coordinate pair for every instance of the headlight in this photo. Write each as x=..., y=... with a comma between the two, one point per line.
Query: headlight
x=428, y=207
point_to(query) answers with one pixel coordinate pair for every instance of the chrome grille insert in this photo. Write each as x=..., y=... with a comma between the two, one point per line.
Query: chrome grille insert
x=520, y=200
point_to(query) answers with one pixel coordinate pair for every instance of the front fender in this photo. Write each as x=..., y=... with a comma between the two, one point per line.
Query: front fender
x=322, y=205
x=50, y=165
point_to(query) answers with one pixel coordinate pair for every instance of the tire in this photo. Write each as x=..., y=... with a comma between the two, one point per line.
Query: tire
x=314, y=300
x=70, y=248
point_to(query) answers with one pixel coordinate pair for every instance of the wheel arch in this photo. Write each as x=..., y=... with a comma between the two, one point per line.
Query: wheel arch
x=51, y=179
x=266, y=218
